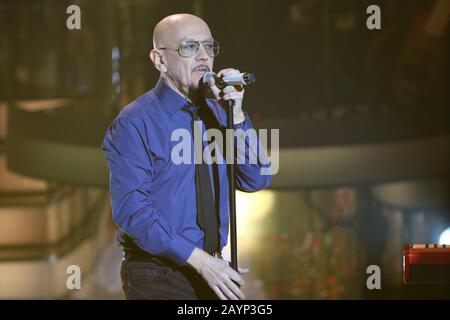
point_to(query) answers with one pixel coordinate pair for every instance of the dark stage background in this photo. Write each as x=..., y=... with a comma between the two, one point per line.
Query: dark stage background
x=364, y=139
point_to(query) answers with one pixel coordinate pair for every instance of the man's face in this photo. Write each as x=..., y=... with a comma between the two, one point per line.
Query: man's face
x=187, y=72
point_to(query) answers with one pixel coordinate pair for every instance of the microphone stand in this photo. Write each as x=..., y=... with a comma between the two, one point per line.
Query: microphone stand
x=232, y=187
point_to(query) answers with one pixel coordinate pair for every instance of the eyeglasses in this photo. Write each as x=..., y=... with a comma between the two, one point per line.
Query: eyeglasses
x=189, y=48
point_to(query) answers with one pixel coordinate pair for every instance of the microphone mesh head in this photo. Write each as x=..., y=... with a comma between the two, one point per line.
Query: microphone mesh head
x=207, y=76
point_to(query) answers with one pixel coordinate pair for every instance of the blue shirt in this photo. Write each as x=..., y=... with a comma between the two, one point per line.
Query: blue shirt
x=153, y=199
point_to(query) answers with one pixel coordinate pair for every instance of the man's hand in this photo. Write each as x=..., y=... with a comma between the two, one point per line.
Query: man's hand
x=218, y=274
x=235, y=93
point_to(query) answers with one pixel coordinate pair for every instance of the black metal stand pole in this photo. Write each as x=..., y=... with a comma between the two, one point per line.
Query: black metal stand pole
x=231, y=186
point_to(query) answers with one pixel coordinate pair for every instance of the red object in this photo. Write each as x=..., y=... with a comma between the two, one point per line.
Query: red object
x=420, y=256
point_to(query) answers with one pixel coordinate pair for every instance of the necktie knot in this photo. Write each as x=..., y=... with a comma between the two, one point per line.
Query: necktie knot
x=192, y=109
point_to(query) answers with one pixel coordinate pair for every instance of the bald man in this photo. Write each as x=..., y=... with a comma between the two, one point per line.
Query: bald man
x=173, y=217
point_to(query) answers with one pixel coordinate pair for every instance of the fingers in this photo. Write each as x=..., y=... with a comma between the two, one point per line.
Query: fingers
x=243, y=270
x=223, y=279
x=229, y=289
x=232, y=93
x=227, y=71
x=231, y=292
x=233, y=96
x=236, y=277
x=213, y=87
x=240, y=270
x=216, y=91
x=219, y=293
x=229, y=92
x=236, y=290
x=230, y=89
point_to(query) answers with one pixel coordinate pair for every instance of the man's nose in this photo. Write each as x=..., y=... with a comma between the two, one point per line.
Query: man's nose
x=201, y=53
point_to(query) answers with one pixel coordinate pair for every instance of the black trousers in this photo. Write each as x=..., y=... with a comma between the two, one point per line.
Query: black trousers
x=146, y=277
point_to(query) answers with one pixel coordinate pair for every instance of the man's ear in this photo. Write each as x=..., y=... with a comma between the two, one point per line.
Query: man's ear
x=158, y=61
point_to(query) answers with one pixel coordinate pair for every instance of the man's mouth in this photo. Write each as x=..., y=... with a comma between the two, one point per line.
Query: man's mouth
x=201, y=70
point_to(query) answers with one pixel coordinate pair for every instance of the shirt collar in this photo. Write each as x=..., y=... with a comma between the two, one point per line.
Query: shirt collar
x=172, y=100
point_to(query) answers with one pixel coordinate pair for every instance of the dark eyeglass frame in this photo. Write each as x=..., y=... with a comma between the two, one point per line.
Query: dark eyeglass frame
x=214, y=42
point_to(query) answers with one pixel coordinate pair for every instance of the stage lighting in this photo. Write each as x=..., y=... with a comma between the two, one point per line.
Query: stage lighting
x=445, y=237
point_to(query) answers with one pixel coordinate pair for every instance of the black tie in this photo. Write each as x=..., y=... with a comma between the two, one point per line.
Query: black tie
x=206, y=211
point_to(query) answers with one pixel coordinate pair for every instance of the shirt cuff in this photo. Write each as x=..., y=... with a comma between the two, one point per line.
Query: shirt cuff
x=179, y=250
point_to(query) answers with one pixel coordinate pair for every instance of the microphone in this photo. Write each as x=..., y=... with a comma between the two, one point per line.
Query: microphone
x=233, y=79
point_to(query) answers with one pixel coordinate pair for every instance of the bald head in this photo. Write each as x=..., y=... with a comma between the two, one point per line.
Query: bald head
x=182, y=73
x=171, y=30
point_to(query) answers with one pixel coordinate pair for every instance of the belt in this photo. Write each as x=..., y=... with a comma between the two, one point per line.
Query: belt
x=134, y=254
x=140, y=255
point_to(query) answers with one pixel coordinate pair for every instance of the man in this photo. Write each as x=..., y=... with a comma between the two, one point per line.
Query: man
x=171, y=243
